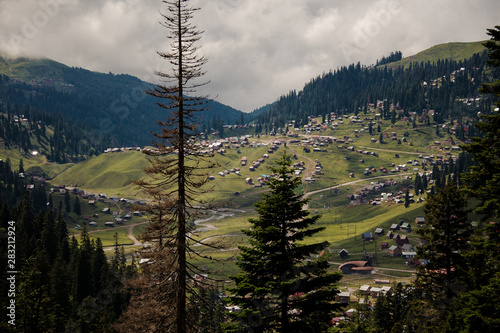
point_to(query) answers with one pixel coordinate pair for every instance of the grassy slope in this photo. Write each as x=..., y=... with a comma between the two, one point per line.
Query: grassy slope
x=111, y=173
x=25, y=69
x=453, y=51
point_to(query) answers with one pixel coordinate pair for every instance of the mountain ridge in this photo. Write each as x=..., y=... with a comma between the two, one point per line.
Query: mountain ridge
x=452, y=51
x=116, y=108
x=114, y=105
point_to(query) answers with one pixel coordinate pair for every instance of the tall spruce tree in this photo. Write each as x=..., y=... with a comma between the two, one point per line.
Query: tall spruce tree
x=176, y=176
x=483, y=180
x=446, y=235
x=279, y=288
x=473, y=310
x=77, y=209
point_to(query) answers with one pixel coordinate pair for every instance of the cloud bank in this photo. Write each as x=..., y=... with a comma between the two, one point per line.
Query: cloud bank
x=257, y=49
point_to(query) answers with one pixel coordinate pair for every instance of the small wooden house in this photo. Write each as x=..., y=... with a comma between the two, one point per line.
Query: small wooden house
x=395, y=251
x=343, y=297
x=367, y=236
x=420, y=220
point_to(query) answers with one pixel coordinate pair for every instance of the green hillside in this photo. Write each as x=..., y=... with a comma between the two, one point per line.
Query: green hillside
x=111, y=173
x=111, y=106
x=450, y=51
x=28, y=69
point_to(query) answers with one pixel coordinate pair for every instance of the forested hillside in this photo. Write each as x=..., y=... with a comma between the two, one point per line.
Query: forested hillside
x=437, y=86
x=39, y=132
x=112, y=107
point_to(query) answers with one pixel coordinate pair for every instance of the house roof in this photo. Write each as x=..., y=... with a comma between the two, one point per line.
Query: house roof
x=365, y=287
x=393, y=247
x=407, y=247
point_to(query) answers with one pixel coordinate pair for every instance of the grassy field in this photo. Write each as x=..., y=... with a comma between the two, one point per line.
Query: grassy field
x=453, y=51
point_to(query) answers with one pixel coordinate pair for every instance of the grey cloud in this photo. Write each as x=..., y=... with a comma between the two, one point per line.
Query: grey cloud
x=257, y=49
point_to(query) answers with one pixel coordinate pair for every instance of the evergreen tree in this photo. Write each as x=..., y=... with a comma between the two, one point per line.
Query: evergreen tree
x=21, y=166
x=76, y=206
x=483, y=180
x=446, y=235
x=278, y=289
x=418, y=184
x=473, y=310
x=67, y=205
x=82, y=282
x=407, y=198
x=175, y=177
x=51, y=202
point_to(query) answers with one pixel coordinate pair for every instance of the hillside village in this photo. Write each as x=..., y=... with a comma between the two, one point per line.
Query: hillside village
x=371, y=154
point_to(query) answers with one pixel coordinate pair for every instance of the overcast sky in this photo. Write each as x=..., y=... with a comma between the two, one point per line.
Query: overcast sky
x=257, y=49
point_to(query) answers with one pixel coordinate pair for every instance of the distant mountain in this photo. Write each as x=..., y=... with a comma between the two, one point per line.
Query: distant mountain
x=112, y=106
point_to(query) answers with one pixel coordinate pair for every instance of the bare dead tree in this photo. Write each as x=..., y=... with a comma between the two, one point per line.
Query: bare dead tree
x=161, y=294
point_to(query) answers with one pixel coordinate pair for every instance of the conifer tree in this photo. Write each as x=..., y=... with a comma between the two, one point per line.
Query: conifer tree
x=176, y=176
x=67, y=205
x=278, y=288
x=407, y=198
x=483, y=180
x=446, y=235
x=76, y=206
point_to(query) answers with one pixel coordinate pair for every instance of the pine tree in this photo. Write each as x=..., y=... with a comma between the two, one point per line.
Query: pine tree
x=21, y=166
x=407, y=198
x=278, y=288
x=67, y=205
x=418, y=184
x=446, y=235
x=176, y=177
x=76, y=206
x=51, y=202
x=483, y=180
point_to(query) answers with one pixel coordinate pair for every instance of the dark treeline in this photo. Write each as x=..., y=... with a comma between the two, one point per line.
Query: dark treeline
x=113, y=108
x=61, y=285
x=28, y=129
x=393, y=57
x=421, y=86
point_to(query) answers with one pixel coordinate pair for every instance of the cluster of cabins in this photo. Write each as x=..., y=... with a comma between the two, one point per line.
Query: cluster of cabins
x=396, y=245
x=374, y=188
x=91, y=200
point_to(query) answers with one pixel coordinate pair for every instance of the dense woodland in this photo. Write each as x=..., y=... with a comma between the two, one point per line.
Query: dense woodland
x=59, y=139
x=62, y=285
x=422, y=86
x=113, y=108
